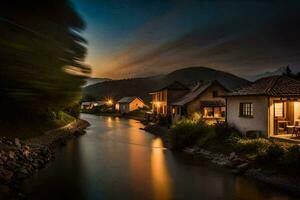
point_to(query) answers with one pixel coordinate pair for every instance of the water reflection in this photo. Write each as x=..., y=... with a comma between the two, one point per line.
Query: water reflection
x=117, y=160
x=161, y=180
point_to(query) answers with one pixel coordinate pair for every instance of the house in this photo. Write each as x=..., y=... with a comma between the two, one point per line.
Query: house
x=204, y=101
x=92, y=105
x=270, y=106
x=162, y=98
x=128, y=104
x=87, y=105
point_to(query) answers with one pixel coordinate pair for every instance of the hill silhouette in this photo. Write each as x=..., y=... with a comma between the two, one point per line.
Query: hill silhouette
x=142, y=86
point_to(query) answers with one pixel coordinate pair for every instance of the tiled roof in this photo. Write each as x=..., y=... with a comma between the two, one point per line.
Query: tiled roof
x=270, y=86
x=127, y=99
x=212, y=103
x=194, y=93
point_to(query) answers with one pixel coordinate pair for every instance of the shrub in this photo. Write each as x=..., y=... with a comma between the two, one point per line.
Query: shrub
x=186, y=133
x=292, y=156
x=275, y=152
x=73, y=110
x=250, y=146
x=164, y=120
x=224, y=131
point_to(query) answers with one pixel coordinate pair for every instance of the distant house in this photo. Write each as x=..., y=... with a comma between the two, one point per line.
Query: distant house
x=270, y=106
x=128, y=104
x=162, y=98
x=87, y=105
x=92, y=105
x=204, y=101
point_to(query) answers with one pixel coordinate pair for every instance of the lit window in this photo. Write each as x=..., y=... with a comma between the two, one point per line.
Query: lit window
x=278, y=109
x=246, y=109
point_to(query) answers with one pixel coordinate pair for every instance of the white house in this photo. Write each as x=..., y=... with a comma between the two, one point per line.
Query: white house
x=270, y=106
x=128, y=104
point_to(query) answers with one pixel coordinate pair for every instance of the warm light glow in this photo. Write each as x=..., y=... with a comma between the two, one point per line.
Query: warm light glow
x=157, y=103
x=109, y=101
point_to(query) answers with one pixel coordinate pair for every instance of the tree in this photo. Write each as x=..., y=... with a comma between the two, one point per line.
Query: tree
x=42, y=54
x=288, y=71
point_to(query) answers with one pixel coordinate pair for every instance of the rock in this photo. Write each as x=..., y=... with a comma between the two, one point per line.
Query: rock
x=26, y=153
x=5, y=175
x=17, y=142
x=237, y=161
x=243, y=166
x=232, y=155
x=11, y=154
x=189, y=150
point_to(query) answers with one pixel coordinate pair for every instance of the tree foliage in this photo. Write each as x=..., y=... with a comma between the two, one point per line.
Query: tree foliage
x=41, y=54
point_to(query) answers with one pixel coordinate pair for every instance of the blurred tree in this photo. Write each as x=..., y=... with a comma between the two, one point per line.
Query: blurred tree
x=41, y=56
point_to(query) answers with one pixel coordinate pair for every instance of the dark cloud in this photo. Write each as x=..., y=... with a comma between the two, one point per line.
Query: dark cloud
x=241, y=37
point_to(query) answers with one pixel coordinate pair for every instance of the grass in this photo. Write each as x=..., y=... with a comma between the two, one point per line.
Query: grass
x=28, y=129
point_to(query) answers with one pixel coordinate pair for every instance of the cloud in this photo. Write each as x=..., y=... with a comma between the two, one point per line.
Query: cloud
x=243, y=41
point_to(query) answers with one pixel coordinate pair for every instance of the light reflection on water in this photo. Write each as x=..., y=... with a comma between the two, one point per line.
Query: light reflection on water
x=160, y=176
x=117, y=160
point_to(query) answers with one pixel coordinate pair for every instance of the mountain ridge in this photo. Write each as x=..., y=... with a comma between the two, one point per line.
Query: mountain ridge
x=142, y=86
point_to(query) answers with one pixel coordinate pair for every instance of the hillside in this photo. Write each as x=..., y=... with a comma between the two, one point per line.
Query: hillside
x=92, y=81
x=142, y=86
x=279, y=71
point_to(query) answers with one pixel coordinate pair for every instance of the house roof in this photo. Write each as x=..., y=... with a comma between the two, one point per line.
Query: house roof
x=173, y=86
x=195, y=92
x=128, y=99
x=280, y=86
x=212, y=103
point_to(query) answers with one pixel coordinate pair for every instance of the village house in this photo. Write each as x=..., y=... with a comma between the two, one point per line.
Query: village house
x=270, y=106
x=128, y=104
x=162, y=98
x=204, y=101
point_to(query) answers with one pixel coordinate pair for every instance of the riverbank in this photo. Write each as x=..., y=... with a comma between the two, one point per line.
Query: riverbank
x=20, y=159
x=237, y=164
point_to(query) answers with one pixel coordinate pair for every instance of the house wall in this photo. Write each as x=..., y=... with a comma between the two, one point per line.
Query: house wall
x=135, y=104
x=124, y=107
x=161, y=100
x=259, y=121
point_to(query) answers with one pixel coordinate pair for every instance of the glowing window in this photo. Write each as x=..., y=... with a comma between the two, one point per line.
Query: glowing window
x=278, y=109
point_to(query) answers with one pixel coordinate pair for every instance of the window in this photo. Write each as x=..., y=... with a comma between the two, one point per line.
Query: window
x=246, y=110
x=278, y=109
x=215, y=93
x=208, y=111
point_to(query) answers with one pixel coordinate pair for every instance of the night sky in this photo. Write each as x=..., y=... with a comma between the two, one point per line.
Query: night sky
x=141, y=38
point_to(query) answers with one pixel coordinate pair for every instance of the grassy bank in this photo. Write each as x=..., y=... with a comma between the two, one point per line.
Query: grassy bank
x=15, y=128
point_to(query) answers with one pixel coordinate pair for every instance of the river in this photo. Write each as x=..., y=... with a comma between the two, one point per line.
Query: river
x=117, y=160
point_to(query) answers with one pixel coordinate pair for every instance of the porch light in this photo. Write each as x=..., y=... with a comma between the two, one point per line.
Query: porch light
x=109, y=102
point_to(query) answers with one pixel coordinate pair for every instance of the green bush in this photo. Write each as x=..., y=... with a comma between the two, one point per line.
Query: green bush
x=186, y=133
x=224, y=131
x=274, y=153
x=251, y=146
x=292, y=156
x=73, y=110
x=164, y=120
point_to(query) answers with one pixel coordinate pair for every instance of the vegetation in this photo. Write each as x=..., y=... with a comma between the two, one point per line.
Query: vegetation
x=224, y=138
x=186, y=133
x=41, y=54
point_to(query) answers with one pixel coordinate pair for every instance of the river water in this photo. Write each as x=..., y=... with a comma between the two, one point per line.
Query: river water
x=117, y=160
